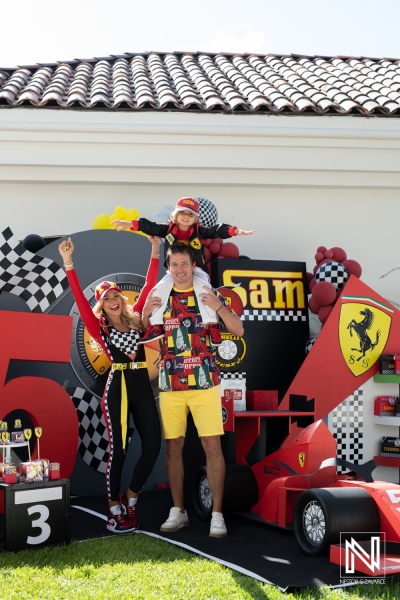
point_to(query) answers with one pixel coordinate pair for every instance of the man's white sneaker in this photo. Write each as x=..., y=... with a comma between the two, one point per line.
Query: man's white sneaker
x=218, y=527
x=176, y=520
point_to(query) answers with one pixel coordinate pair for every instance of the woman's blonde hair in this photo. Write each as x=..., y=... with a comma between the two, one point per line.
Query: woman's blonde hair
x=128, y=316
x=178, y=210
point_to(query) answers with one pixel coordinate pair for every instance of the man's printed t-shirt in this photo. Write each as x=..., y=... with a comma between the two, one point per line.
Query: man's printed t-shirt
x=187, y=357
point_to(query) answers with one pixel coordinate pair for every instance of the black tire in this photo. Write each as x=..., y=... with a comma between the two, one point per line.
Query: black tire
x=240, y=491
x=232, y=353
x=320, y=515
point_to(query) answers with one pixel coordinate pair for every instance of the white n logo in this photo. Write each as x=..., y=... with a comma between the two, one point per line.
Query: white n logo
x=371, y=560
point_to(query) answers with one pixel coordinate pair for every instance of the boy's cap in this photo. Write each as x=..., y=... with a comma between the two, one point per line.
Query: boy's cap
x=103, y=288
x=188, y=204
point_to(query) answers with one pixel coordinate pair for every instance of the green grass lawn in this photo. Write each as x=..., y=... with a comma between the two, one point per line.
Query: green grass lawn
x=144, y=568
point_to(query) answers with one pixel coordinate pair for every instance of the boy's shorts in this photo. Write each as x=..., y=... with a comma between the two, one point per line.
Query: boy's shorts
x=205, y=406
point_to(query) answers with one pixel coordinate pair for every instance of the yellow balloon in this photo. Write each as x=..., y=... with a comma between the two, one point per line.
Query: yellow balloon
x=101, y=222
x=113, y=218
x=133, y=214
x=120, y=212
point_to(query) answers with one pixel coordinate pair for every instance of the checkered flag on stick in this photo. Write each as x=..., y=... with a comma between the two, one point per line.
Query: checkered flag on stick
x=37, y=280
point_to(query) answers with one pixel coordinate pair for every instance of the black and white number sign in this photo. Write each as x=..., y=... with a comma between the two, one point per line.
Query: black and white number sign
x=36, y=514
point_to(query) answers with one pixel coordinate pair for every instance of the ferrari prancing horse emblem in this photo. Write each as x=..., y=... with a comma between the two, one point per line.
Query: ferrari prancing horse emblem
x=363, y=333
x=302, y=458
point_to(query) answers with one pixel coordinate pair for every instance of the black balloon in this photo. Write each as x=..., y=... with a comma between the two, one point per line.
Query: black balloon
x=242, y=256
x=33, y=242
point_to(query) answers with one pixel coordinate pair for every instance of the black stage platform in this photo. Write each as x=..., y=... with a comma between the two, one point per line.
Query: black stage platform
x=266, y=553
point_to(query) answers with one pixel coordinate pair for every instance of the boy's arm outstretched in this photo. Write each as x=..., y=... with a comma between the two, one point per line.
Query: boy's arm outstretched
x=223, y=231
x=144, y=225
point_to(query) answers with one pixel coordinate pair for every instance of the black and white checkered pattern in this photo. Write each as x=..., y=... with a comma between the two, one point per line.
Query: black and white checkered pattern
x=233, y=375
x=208, y=214
x=347, y=429
x=127, y=342
x=93, y=438
x=38, y=281
x=310, y=344
x=334, y=273
x=273, y=315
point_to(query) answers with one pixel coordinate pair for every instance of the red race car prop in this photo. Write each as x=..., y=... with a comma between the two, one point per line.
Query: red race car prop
x=295, y=484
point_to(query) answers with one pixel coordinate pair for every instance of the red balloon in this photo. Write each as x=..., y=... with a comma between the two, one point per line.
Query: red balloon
x=229, y=250
x=324, y=313
x=328, y=254
x=207, y=242
x=321, y=249
x=313, y=306
x=324, y=261
x=339, y=255
x=219, y=241
x=207, y=255
x=318, y=257
x=312, y=284
x=309, y=276
x=352, y=267
x=324, y=293
x=214, y=247
x=162, y=486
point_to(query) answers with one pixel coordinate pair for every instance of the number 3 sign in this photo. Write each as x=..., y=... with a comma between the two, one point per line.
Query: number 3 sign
x=47, y=338
x=36, y=514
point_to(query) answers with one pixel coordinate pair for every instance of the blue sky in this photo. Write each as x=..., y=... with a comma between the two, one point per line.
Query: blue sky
x=48, y=31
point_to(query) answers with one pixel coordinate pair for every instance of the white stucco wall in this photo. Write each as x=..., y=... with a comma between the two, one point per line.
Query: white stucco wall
x=301, y=181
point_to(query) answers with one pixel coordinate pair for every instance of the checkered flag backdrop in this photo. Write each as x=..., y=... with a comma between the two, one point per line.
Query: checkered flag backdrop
x=93, y=445
x=37, y=280
x=208, y=214
x=93, y=438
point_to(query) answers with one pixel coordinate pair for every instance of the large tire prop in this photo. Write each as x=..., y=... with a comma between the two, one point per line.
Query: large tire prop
x=240, y=491
x=320, y=515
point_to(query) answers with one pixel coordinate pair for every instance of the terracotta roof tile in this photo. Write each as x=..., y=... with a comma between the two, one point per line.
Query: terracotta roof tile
x=206, y=81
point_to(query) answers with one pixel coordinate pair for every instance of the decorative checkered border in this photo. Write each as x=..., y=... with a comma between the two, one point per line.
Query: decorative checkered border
x=273, y=315
x=233, y=375
x=348, y=429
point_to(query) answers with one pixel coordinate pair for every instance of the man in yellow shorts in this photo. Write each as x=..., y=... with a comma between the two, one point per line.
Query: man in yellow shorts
x=189, y=381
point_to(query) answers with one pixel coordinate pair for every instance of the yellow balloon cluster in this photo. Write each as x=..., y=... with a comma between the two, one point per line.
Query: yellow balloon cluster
x=104, y=220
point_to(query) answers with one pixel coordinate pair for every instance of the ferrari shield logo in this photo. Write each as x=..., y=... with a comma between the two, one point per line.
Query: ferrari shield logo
x=5, y=436
x=38, y=432
x=196, y=244
x=363, y=332
x=28, y=434
x=302, y=458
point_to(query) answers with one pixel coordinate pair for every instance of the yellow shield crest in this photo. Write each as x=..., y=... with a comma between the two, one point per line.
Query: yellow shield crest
x=28, y=434
x=5, y=437
x=363, y=332
x=302, y=459
x=4, y=425
x=38, y=432
x=196, y=244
